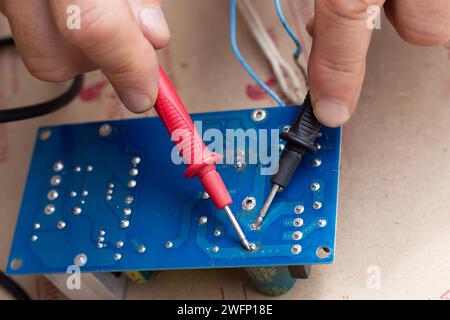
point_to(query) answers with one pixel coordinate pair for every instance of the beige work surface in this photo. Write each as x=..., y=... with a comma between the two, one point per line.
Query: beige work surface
x=394, y=217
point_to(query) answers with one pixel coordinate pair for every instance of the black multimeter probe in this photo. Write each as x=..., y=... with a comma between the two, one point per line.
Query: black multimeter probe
x=299, y=139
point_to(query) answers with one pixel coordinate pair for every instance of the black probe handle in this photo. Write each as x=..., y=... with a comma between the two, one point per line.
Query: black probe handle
x=300, y=139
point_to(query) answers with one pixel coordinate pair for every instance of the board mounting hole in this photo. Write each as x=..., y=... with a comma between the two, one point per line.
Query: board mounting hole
x=105, y=130
x=249, y=203
x=323, y=252
x=16, y=263
x=45, y=135
x=259, y=115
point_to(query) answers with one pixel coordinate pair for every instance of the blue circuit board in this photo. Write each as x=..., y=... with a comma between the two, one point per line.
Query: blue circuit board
x=108, y=197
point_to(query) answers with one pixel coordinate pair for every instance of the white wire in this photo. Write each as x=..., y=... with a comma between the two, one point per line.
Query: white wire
x=285, y=74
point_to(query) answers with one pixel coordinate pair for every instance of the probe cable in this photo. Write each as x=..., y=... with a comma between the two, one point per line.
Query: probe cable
x=40, y=109
x=13, y=287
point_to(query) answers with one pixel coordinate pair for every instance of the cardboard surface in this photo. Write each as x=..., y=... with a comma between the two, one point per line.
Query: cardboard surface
x=394, y=218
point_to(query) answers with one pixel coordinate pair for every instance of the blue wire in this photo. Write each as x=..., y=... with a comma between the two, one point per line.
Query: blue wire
x=289, y=30
x=241, y=59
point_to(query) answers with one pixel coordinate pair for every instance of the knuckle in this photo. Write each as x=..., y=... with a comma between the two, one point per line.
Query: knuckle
x=96, y=27
x=423, y=34
x=345, y=67
x=50, y=69
x=423, y=24
x=126, y=71
x=52, y=74
x=352, y=9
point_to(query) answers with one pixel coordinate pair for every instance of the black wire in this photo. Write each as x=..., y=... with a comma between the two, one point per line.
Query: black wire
x=13, y=288
x=40, y=109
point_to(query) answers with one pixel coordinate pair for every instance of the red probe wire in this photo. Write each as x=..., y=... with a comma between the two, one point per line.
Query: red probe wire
x=200, y=161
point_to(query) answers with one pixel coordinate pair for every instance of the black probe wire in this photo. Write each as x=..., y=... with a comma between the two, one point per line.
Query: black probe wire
x=40, y=109
x=13, y=288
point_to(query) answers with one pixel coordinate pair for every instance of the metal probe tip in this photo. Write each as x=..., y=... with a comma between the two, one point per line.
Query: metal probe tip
x=237, y=227
x=275, y=189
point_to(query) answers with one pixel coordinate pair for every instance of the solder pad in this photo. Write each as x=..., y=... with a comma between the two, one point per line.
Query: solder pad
x=107, y=196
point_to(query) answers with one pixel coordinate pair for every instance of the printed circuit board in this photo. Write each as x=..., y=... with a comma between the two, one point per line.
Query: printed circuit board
x=108, y=197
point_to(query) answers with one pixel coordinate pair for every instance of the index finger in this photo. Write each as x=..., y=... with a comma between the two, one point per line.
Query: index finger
x=111, y=38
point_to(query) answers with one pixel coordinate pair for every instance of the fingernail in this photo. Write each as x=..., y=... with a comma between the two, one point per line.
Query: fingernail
x=332, y=113
x=136, y=102
x=153, y=18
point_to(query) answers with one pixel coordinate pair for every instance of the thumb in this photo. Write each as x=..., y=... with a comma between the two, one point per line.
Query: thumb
x=338, y=58
x=152, y=21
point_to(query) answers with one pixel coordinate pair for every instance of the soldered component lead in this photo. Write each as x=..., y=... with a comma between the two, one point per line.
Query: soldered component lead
x=317, y=162
x=49, y=209
x=296, y=249
x=317, y=205
x=169, y=244
x=129, y=200
x=132, y=184
x=297, y=235
x=80, y=260
x=315, y=187
x=58, y=166
x=55, y=180
x=52, y=195
x=61, y=225
x=119, y=244
x=203, y=220
x=135, y=161
x=321, y=223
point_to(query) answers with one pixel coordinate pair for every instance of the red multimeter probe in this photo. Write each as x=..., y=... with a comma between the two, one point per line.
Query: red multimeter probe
x=200, y=161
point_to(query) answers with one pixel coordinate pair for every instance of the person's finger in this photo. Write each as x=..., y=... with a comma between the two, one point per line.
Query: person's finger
x=152, y=21
x=341, y=38
x=421, y=22
x=42, y=49
x=110, y=36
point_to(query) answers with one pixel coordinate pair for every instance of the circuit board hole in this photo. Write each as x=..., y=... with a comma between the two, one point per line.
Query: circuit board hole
x=45, y=135
x=16, y=263
x=323, y=252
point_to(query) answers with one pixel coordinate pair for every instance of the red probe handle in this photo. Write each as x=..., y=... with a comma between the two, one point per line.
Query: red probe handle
x=200, y=161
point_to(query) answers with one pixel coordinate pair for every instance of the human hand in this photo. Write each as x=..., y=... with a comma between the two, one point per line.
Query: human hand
x=119, y=37
x=341, y=40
